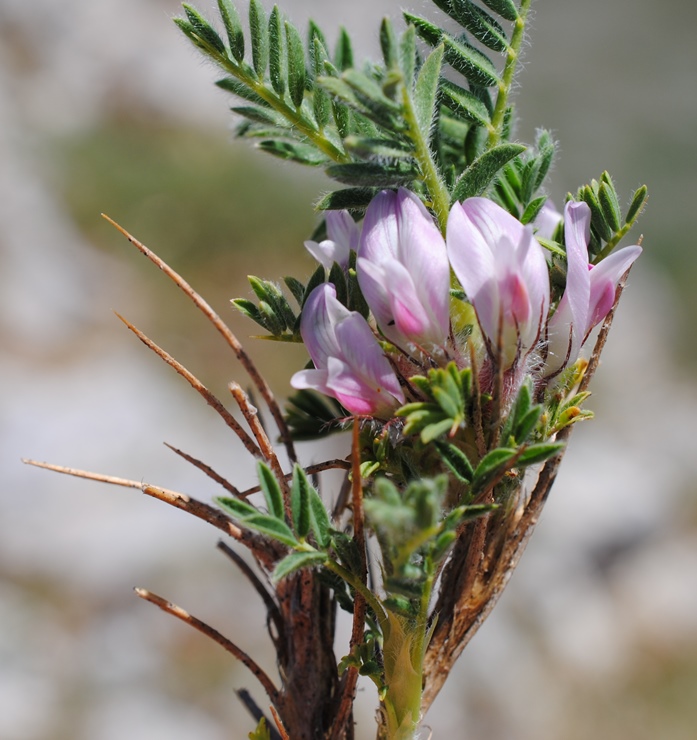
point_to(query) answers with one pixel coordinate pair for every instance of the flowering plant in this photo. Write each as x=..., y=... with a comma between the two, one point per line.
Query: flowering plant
x=445, y=325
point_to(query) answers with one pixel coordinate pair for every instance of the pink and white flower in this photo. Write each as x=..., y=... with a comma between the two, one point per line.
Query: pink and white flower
x=590, y=290
x=403, y=271
x=503, y=271
x=349, y=363
x=343, y=234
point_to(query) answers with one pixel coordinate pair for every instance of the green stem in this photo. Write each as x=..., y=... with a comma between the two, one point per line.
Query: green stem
x=509, y=69
x=438, y=192
x=403, y=649
x=364, y=591
x=291, y=114
x=616, y=238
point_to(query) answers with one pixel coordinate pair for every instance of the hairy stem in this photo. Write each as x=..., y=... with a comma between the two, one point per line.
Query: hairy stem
x=509, y=70
x=438, y=192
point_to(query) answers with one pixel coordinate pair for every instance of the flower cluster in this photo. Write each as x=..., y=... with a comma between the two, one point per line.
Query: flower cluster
x=403, y=267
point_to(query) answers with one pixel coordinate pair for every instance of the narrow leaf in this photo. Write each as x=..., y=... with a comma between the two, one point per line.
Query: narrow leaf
x=259, y=36
x=343, y=55
x=296, y=65
x=272, y=527
x=348, y=198
x=505, y=8
x=319, y=519
x=388, y=44
x=425, y=30
x=230, y=84
x=470, y=62
x=597, y=216
x=316, y=279
x=295, y=561
x=477, y=177
x=265, y=116
x=272, y=491
x=301, y=153
x=533, y=209
x=300, y=502
x=637, y=204
x=239, y=509
x=480, y=24
x=433, y=431
x=492, y=463
x=321, y=105
x=407, y=54
x=203, y=29
x=295, y=287
x=233, y=28
x=457, y=461
x=372, y=174
x=611, y=208
x=426, y=89
x=538, y=453
x=278, y=63
x=464, y=103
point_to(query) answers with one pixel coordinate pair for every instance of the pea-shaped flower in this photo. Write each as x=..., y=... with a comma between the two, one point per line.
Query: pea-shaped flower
x=343, y=234
x=350, y=364
x=503, y=271
x=403, y=271
x=589, y=293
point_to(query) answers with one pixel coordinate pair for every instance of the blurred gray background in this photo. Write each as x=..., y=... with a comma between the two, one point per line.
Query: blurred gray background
x=104, y=106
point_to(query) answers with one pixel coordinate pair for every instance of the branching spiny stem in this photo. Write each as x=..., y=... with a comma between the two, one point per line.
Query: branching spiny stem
x=267, y=553
x=198, y=386
x=251, y=415
x=205, y=469
x=223, y=641
x=224, y=330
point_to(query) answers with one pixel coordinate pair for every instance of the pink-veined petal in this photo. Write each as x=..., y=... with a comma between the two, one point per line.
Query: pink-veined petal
x=403, y=266
x=316, y=328
x=343, y=230
x=604, y=278
x=315, y=380
x=547, y=220
x=567, y=327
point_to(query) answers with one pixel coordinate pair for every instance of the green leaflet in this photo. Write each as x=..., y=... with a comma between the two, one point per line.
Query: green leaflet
x=259, y=34
x=278, y=61
x=637, y=204
x=233, y=28
x=349, y=198
x=296, y=65
x=477, y=68
x=373, y=174
x=480, y=24
x=272, y=491
x=537, y=453
x=343, y=54
x=295, y=561
x=241, y=90
x=295, y=152
x=457, y=461
x=490, y=465
x=261, y=732
x=505, y=8
x=425, y=91
x=464, y=103
x=300, y=502
x=203, y=29
x=477, y=177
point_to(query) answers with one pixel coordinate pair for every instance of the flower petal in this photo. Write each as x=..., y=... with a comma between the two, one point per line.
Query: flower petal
x=604, y=278
x=403, y=267
x=567, y=327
